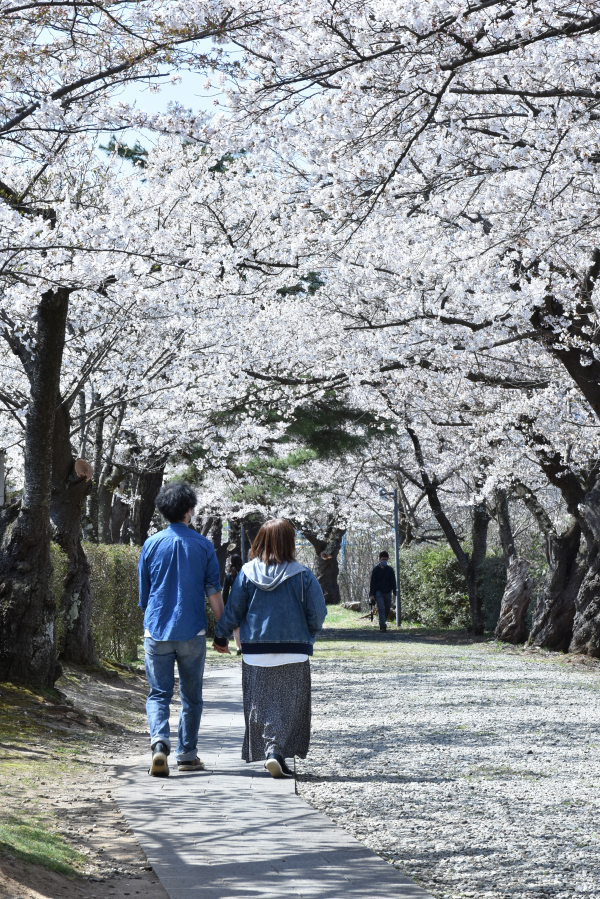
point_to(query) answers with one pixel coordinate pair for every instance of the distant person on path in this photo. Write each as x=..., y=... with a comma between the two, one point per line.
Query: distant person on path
x=383, y=586
x=233, y=569
x=177, y=568
x=279, y=607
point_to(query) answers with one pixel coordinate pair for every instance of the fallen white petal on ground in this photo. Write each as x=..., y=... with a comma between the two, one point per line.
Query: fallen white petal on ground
x=474, y=771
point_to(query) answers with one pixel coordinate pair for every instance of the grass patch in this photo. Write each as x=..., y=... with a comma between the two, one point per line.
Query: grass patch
x=19, y=706
x=346, y=635
x=338, y=616
x=32, y=842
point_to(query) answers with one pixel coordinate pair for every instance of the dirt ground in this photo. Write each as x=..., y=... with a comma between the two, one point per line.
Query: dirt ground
x=61, y=832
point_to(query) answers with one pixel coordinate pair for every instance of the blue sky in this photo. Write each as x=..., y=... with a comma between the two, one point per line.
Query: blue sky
x=190, y=93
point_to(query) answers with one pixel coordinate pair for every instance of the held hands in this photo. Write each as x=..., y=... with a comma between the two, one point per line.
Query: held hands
x=224, y=649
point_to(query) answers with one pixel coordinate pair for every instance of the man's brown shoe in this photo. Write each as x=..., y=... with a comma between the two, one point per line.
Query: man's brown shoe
x=195, y=765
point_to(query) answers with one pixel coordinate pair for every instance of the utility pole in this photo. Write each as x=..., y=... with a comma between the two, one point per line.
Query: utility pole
x=394, y=496
x=343, y=552
x=397, y=554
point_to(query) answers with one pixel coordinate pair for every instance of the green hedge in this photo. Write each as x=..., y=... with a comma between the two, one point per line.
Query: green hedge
x=117, y=620
x=434, y=592
x=60, y=566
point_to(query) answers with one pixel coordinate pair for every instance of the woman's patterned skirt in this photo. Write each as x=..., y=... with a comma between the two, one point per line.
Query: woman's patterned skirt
x=276, y=710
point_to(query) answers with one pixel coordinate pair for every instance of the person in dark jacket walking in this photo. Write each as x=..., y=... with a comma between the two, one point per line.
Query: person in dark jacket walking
x=233, y=569
x=383, y=586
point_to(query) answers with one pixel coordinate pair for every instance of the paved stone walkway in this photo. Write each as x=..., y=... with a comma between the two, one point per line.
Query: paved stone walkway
x=233, y=831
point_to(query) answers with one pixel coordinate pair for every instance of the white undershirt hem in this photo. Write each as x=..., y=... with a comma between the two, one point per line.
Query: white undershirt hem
x=201, y=633
x=272, y=659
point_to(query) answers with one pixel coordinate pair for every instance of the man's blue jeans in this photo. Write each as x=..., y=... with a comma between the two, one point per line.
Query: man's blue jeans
x=384, y=604
x=160, y=671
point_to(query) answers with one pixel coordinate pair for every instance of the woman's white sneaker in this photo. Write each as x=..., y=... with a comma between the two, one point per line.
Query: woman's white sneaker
x=276, y=766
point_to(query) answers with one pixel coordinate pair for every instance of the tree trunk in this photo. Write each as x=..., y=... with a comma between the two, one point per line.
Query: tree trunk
x=82, y=426
x=216, y=535
x=106, y=489
x=97, y=465
x=211, y=526
x=511, y=626
x=327, y=549
x=68, y=495
x=327, y=575
x=133, y=522
x=552, y=624
x=252, y=524
x=124, y=533
x=110, y=476
x=149, y=486
x=470, y=565
x=586, y=623
x=507, y=541
x=27, y=607
x=479, y=534
x=118, y=516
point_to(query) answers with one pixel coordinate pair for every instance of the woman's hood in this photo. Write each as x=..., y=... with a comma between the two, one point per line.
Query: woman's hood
x=268, y=577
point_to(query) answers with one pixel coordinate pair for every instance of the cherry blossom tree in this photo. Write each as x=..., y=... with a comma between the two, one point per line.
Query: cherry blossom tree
x=146, y=265
x=449, y=165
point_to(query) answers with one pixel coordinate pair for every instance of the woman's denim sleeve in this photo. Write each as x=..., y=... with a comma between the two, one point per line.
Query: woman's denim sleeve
x=235, y=610
x=316, y=610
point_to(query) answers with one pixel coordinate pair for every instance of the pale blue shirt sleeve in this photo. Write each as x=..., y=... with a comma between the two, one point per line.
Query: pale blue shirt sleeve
x=144, y=580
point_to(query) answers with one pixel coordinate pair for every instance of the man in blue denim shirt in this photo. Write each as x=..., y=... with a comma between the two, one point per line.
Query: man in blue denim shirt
x=177, y=568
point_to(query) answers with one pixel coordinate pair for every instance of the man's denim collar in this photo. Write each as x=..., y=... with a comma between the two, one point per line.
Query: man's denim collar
x=178, y=524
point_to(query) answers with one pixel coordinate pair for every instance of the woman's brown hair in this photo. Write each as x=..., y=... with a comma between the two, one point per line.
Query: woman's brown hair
x=275, y=542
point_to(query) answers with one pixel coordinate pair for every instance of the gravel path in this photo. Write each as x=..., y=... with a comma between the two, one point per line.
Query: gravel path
x=475, y=771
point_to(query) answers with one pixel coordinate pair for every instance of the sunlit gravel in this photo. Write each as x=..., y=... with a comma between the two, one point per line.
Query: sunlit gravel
x=473, y=770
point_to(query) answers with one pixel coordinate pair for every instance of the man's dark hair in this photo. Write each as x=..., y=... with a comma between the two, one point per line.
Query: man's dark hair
x=175, y=499
x=384, y=555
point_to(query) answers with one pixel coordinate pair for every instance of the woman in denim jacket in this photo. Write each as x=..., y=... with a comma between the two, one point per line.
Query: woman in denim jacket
x=279, y=607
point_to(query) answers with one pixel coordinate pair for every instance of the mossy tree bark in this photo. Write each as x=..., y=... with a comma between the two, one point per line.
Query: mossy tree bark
x=27, y=607
x=512, y=626
x=552, y=624
x=68, y=496
x=327, y=547
x=586, y=621
x=512, y=621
